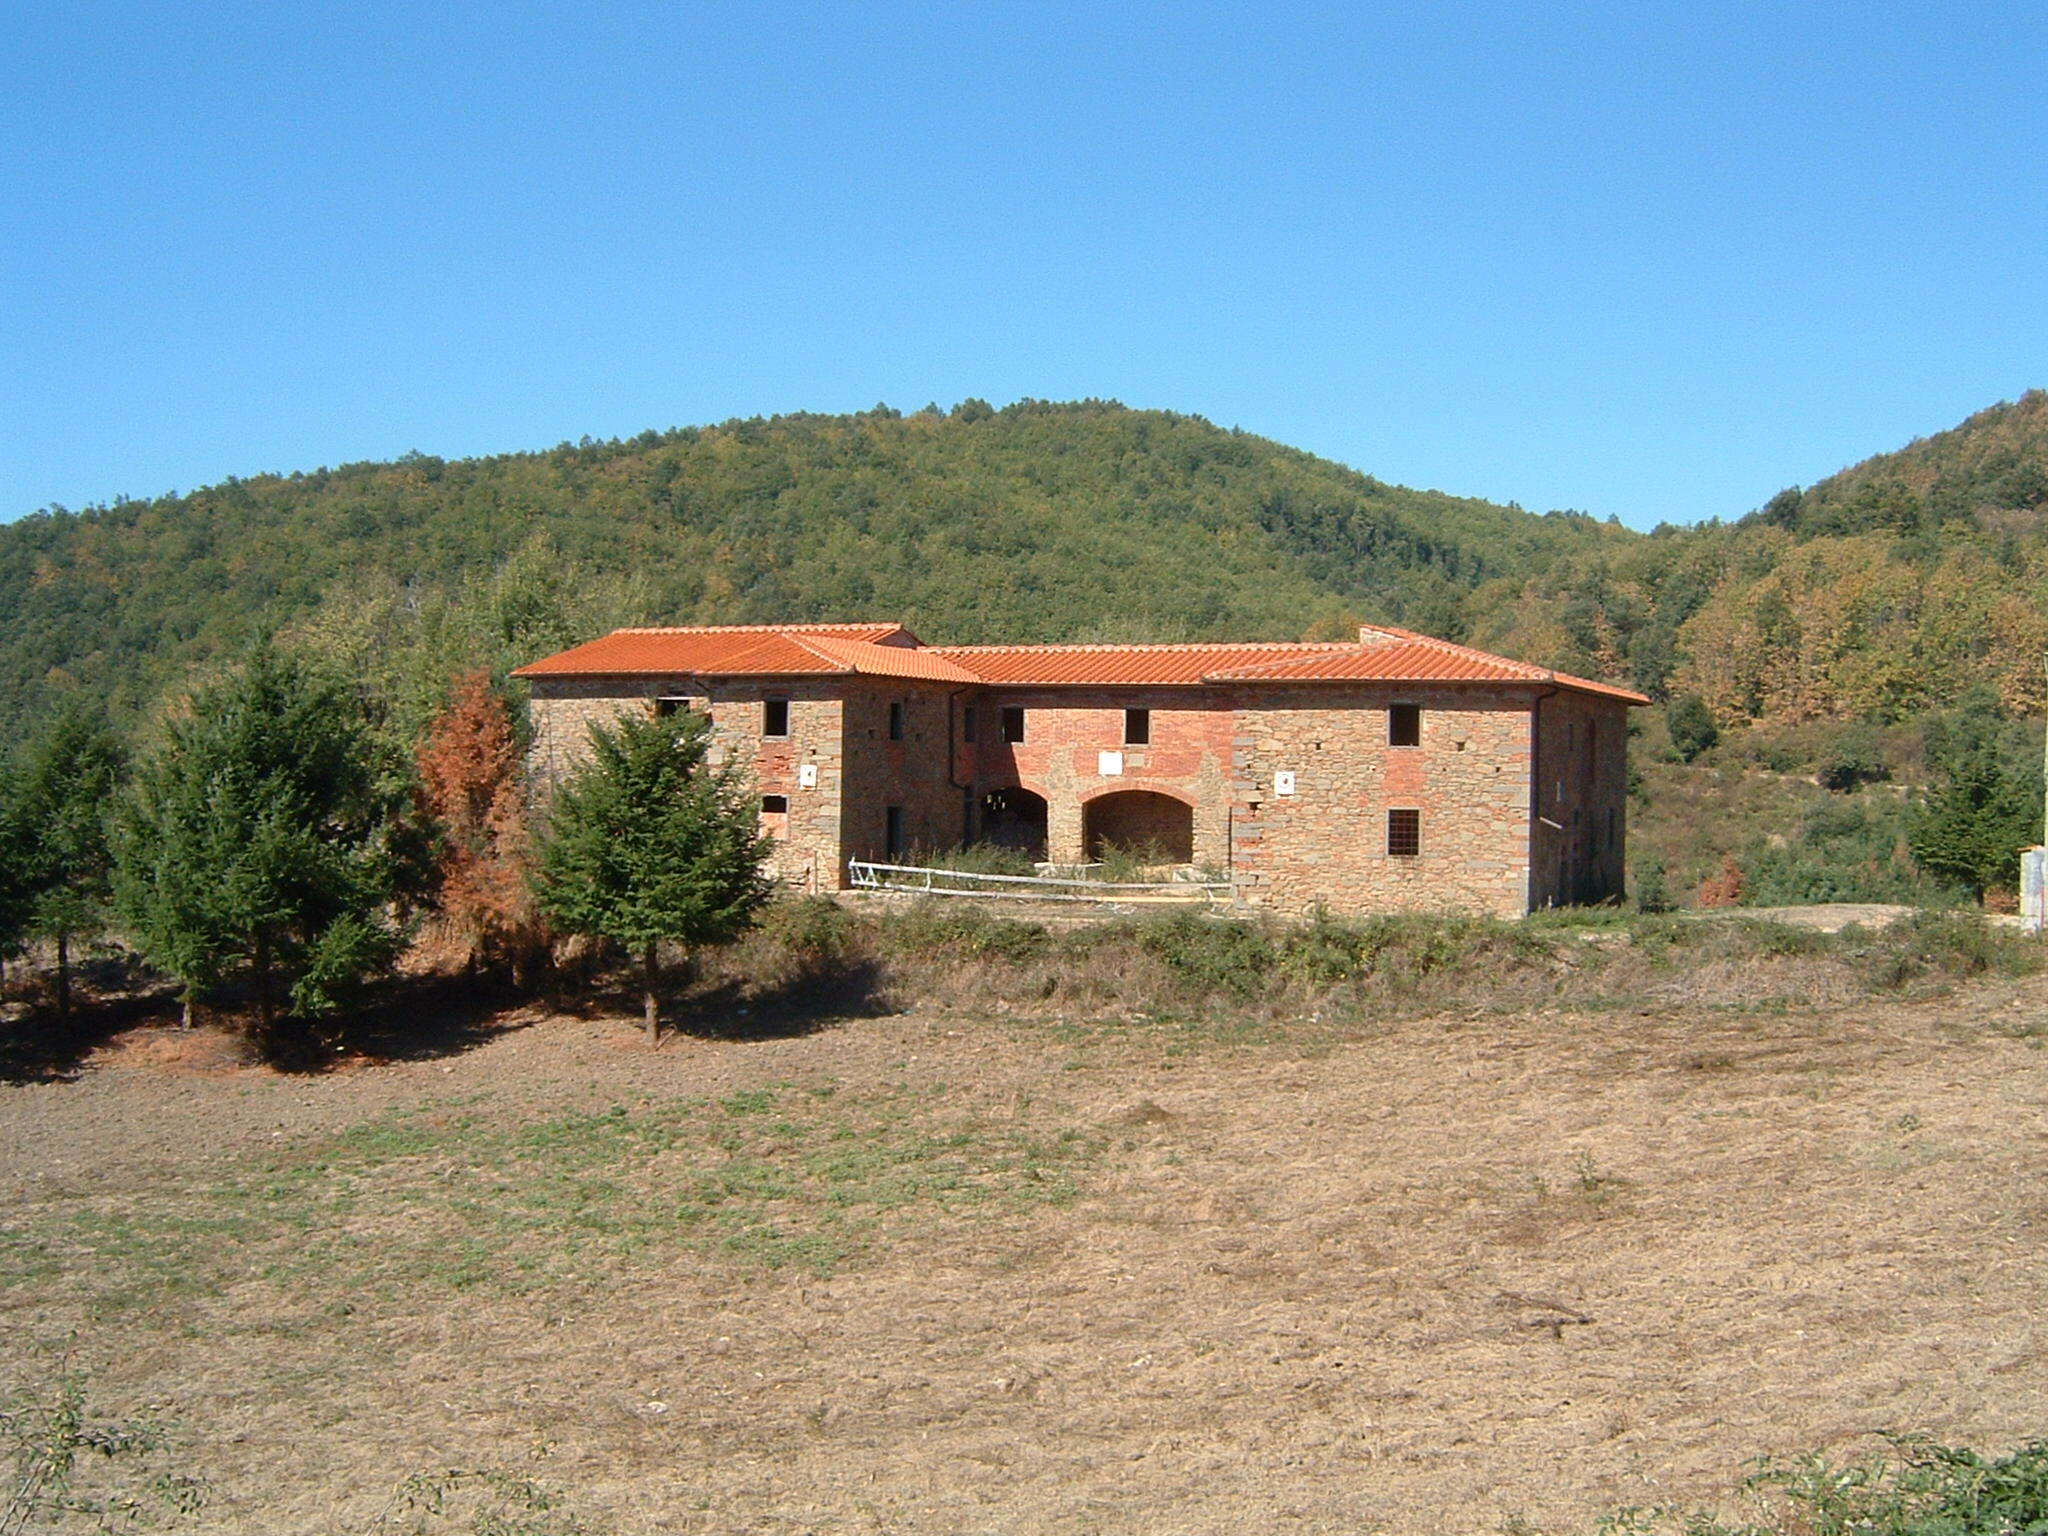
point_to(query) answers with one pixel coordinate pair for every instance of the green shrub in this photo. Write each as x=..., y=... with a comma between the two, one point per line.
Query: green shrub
x=1948, y=944
x=939, y=926
x=1211, y=956
x=1850, y=764
x=807, y=927
x=1652, y=891
x=1917, y=1489
x=1692, y=727
x=1131, y=863
x=1325, y=953
x=977, y=859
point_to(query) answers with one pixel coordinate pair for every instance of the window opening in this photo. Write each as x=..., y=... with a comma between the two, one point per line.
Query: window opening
x=892, y=833
x=1137, y=727
x=1404, y=833
x=1404, y=725
x=895, y=720
x=775, y=717
x=1013, y=722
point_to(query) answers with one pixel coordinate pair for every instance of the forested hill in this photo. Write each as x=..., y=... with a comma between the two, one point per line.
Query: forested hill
x=1879, y=594
x=1035, y=522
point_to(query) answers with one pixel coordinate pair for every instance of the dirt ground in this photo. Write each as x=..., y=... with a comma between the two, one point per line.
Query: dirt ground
x=1445, y=1275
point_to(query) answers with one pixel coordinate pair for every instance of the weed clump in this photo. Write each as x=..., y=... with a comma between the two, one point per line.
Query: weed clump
x=950, y=953
x=1944, y=945
x=1916, y=1488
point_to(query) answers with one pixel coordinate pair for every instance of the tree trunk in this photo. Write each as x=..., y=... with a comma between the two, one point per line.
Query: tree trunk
x=185, y=1010
x=265, y=1012
x=63, y=977
x=651, y=974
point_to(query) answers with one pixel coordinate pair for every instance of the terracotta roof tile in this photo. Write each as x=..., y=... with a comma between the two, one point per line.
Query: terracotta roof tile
x=874, y=660
x=1080, y=665
x=739, y=650
x=1380, y=654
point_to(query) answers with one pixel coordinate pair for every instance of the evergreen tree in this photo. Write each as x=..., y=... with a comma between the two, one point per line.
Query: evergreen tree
x=260, y=840
x=1692, y=727
x=61, y=802
x=648, y=843
x=1971, y=828
x=16, y=871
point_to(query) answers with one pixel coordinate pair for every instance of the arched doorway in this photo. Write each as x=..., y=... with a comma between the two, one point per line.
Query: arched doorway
x=1139, y=819
x=1014, y=818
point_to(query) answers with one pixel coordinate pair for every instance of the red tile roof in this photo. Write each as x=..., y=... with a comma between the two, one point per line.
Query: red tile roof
x=1380, y=654
x=1060, y=665
x=739, y=650
x=1386, y=654
x=889, y=660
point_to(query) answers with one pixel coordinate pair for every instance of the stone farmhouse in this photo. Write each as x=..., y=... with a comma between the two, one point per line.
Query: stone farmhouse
x=1391, y=772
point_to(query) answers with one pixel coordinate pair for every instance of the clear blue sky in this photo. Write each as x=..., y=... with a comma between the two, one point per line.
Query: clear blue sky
x=1649, y=260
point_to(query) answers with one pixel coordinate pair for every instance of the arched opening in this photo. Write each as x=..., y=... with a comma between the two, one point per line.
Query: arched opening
x=1014, y=818
x=1139, y=821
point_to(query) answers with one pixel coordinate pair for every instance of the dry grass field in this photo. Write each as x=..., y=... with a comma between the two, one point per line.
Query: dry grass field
x=933, y=1272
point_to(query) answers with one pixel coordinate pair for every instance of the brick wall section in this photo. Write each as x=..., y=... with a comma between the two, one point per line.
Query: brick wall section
x=1326, y=844
x=1581, y=773
x=1066, y=731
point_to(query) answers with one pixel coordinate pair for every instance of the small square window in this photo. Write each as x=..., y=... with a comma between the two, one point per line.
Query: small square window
x=1137, y=727
x=774, y=805
x=1404, y=725
x=663, y=708
x=1013, y=722
x=896, y=720
x=967, y=723
x=1404, y=833
x=775, y=717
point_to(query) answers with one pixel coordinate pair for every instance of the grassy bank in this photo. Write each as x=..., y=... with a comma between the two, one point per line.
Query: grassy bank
x=1188, y=967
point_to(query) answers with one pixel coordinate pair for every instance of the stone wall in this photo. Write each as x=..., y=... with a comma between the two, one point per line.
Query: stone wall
x=915, y=774
x=1219, y=751
x=1581, y=775
x=1326, y=843
x=807, y=836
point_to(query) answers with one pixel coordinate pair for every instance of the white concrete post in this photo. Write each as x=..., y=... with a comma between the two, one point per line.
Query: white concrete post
x=2034, y=861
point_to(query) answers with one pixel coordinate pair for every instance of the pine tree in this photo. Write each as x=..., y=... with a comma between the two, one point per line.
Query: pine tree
x=471, y=791
x=65, y=790
x=1693, y=730
x=647, y=843
x=259, y=841
x=17, y=873
x=1971, y=828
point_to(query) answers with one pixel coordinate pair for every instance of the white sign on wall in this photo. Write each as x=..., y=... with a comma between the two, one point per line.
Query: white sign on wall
x=807, y=775
x=1283, y=782
x=1109, y=764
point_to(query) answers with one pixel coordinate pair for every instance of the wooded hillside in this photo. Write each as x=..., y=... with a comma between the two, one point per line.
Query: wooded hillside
x=1037, y=522
x=1877, y=594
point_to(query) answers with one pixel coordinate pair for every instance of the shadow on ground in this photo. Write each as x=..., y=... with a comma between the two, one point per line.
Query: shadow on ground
x=423, y=1018
x=813, y=997
x=108, y=996
x=405, y=1018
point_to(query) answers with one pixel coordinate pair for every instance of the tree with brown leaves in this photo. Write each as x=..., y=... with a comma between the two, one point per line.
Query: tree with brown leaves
x=471, y=789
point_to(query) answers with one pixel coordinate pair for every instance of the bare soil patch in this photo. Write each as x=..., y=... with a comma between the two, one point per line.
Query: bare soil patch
x=928, y=1273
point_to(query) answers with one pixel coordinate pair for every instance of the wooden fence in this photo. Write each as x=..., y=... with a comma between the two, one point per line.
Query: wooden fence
x=929, y=881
